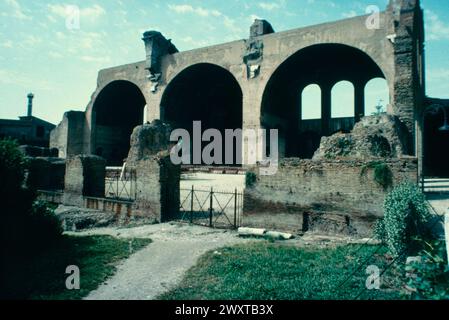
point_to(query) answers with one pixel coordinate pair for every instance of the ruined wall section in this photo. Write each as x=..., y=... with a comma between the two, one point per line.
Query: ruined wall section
x=158, y=179
x=68, y=136
x=408, y=41
x=84, y=177
x=336, y=196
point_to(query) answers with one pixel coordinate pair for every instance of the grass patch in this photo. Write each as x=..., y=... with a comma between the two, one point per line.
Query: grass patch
x=270, y=271
x=42, y=276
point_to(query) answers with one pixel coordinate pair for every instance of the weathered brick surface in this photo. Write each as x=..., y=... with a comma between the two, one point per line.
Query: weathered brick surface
x=333, y=190
x=84, y=176
x=46, y=173
x=157, y=188
x=68, y=136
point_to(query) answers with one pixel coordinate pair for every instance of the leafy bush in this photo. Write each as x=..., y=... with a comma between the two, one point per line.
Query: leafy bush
x=26, y=225
x=12, y=167
x=382, y=173
x=250, y=179
x=44, y=226
x=406, y=213
x=431, y=274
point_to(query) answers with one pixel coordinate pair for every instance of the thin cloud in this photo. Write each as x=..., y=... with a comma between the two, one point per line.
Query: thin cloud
x=94, y=12
x=16, y=10
x=269, y=6
x=186, y=8
x=436, y=28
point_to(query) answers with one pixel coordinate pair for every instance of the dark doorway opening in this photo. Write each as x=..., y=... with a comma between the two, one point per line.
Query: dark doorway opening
x=207, y=93
x=117, y=110
x=436, y=147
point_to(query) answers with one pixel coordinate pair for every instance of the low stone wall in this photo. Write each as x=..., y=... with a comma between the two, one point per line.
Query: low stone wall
x=46, y=173
x=122, y=210
x=333, y=196
x=50, y=196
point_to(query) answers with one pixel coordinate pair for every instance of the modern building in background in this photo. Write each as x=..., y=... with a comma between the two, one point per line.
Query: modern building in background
x=28, y=130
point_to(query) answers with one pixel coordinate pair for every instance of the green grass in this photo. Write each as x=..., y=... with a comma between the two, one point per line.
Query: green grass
x=42, y=276
x=271, y=271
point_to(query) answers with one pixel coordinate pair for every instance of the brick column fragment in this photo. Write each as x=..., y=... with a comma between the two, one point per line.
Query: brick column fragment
x=84, y=176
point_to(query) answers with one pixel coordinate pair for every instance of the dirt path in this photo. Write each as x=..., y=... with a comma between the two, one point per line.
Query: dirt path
x=160, y=266
x=175, y=248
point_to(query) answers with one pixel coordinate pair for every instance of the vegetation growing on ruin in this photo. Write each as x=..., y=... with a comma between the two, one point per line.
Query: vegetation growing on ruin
x=405, y=216
x=250, y=179
x=382, y=173
x=26, y=224
x=343, y=148
x=432, y=273
x=272, y=271
x=380, y=147
x=41, y=275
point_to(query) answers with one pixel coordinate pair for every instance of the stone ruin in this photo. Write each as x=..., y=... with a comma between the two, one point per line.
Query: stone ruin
x=380, y=136
x=149, y=140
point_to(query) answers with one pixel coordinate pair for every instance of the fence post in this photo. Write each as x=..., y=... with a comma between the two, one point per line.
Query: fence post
x=191, y=205
x=235, y=209
x=446, y=228
x=211, y=207
x=117, y=177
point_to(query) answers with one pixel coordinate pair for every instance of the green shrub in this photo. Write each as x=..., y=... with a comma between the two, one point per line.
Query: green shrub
x=431, y=280
x=406, y=213
x=25, y=225
x=250, y=179
x=43, y=225
x=382, y=173
x=12, y=167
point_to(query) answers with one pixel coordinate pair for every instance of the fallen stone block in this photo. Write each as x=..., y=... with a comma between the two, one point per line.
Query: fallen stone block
x=279, y=235
x=248, y=232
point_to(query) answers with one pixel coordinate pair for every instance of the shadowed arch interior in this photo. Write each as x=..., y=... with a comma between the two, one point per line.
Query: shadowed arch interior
x=117, y=110
x=207, y=93
x=435, y=144
x=323, y=65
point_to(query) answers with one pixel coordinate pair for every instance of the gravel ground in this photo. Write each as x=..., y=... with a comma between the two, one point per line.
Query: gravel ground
x=160, y=266
x=175, y=248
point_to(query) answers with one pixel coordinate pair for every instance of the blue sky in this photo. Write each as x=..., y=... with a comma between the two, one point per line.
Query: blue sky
x=39, y=54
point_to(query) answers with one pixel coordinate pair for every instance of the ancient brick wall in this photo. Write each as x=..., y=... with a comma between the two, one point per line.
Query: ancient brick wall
x=46, y=173
x=84, y=176
x=157, y=188
x=337, y=196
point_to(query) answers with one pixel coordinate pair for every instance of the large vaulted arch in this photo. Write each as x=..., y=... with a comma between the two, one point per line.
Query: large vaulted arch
x=117, y=110
x=324, y=66
x=207, y=93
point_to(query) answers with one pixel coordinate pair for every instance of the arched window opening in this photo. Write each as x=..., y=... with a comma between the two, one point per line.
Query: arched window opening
x=343, y=100
x=311, y=102
x=377, y=96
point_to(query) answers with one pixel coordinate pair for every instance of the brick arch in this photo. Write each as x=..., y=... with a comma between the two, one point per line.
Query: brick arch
x=323, y=64
x=203, y=92
x=115, y=111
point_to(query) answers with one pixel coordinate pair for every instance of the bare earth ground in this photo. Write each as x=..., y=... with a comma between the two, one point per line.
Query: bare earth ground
x=175, y=249
x=160, y=266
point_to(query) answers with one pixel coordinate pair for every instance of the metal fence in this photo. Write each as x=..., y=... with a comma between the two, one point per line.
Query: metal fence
x=215, y=209
x=120, y=184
